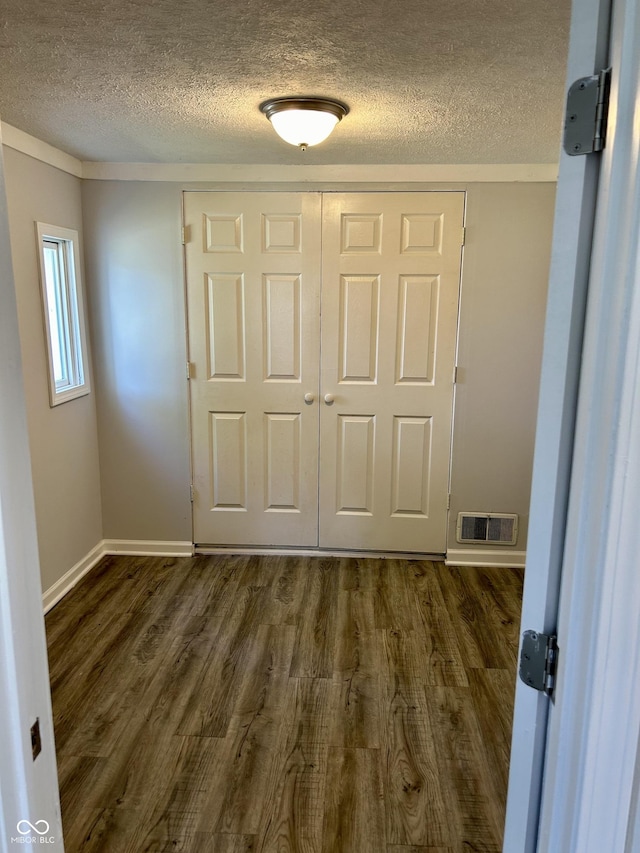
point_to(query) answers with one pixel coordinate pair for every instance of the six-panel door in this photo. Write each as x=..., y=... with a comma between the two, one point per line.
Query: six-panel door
x=390, y=270
x=253, y=265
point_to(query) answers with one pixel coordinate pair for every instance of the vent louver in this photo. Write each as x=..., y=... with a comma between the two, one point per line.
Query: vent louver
x=491, y=528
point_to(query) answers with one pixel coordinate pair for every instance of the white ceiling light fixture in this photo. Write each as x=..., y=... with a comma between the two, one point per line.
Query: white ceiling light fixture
x=304, y=121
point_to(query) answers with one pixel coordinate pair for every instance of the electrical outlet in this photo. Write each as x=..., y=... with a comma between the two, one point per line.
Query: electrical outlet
x=36, y=741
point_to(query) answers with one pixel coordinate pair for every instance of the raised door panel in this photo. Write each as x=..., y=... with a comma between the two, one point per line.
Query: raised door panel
x=282, y=328
x=225, y=329
x=358, y=333
x=411, y=472
x=417, y=332
x=282, y=478
x=253, y=310
x=354, y=464
x=228, y=461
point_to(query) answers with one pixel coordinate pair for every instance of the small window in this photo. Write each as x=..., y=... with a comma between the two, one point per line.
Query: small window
x=63, y=313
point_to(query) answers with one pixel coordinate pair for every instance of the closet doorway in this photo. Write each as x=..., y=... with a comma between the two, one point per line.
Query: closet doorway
x=322, y=338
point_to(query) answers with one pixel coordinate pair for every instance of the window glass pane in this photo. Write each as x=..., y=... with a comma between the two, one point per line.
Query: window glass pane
x=56, y=314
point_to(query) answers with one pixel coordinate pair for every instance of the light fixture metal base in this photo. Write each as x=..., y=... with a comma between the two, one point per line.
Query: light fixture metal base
x=327, y=105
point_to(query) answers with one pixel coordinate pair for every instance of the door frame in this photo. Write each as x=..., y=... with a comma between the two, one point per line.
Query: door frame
x=591, y=796
x=561, y=360
x=590, y=787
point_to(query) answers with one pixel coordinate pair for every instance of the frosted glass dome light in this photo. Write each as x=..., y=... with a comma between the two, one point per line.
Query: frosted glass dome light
x=303, y=121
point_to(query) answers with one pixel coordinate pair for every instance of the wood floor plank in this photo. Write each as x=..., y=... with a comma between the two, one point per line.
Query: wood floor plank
x=294, y=809
x=316, y=625
x=489, y=608
x=284, y=705
x=117, y=831
x=435, y=628
x=356, y=646
x=416, y=809
x=208, y=714
x=70, y=687
x=77, y=775
x=357, y=575
x=492, y=695
x=475, y=632
x=393, y=604
x=404, y=655
x=310, y=722
x=250, y=746
x=137, y=775
x=182, y=675
x=178, y=809
x=103, y=831
x=287, y=579
x=163, y=838
x=500, y=608
x=475, y=813
x=354, y=813
x=355, y=710
x=120, y=686
x=216, y=583
x=106, y=590
x=154, y=584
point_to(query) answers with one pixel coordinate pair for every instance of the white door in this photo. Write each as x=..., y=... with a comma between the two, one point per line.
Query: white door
x=390, y=281
x=390, y=271
x=253, y=267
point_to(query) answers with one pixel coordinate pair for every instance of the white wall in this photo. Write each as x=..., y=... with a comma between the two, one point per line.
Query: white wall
x=502, y=312
x=63, y=440
x=28, y=789
x=135, y=278
x=136, y=298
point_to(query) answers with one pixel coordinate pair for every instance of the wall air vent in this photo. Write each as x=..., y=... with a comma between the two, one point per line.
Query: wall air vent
x=491, y=528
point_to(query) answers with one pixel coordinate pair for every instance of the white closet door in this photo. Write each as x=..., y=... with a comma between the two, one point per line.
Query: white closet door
x=390, y=280
x=252, y=266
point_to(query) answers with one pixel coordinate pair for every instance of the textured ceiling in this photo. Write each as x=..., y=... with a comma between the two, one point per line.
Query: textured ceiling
x=427, y=81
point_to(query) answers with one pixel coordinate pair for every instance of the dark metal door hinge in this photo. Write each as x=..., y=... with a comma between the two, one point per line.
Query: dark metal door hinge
x=538, y=661
x=585, y=126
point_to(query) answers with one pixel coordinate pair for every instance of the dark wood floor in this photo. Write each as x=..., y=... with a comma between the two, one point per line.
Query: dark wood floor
x=284, y=704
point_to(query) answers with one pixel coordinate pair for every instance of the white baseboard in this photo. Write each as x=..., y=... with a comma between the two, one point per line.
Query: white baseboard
x=125, y=547
x=485, y=558
x=147, y=548
x=62, y=586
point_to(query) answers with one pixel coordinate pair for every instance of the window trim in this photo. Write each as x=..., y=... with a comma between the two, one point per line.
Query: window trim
x=75, y=330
